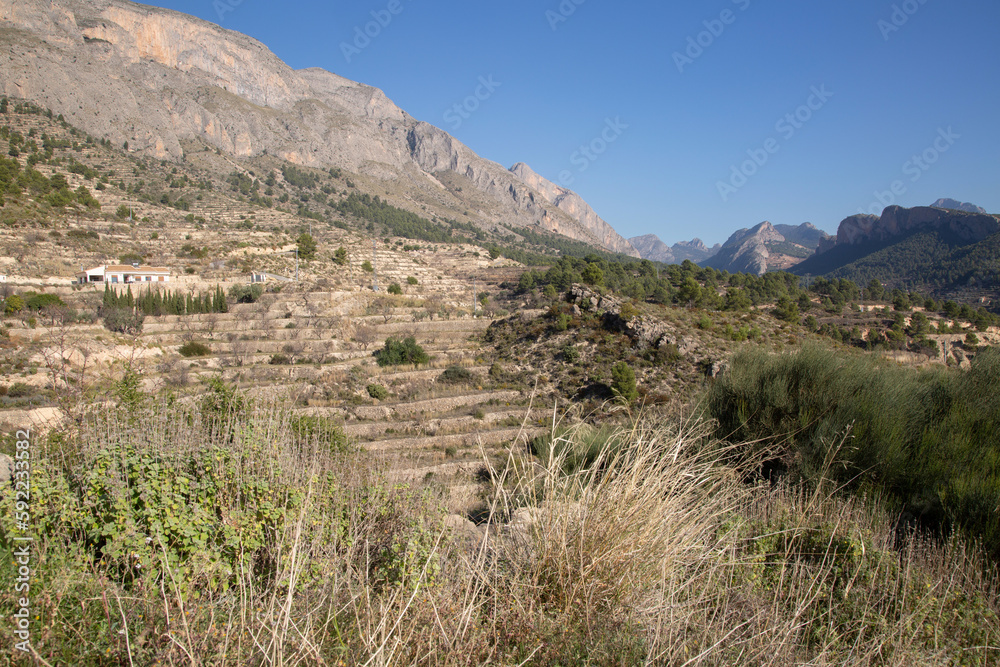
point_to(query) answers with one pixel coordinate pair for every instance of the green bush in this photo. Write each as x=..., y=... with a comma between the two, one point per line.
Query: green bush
x=194, y=349
x=20, y=390
x=378, y=392
x=395, y=288
x=397, y=352
x=123, y=320
x=455, y=375
x=928, y=438
x=246, y=293
x=13, y=305
x=410, y=280
x=577, y=447
x=623, y=383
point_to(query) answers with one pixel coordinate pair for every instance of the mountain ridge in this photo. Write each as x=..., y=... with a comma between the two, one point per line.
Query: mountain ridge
x=160, y=80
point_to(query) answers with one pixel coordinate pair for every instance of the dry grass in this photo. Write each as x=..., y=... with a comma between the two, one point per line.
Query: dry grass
x=654, y=554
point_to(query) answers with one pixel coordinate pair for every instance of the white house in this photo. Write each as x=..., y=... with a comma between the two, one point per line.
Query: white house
x=125, y=274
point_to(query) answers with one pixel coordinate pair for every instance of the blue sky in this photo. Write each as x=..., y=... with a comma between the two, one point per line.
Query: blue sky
x=684, y=121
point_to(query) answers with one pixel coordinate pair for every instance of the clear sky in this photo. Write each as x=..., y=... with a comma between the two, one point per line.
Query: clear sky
x=694, y=118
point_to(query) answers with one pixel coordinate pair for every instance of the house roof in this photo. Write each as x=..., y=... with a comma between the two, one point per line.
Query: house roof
x=128, y=268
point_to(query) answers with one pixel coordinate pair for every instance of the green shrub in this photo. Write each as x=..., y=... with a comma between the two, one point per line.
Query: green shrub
x=395, y=288
x=246, y=293
x=13, y=305
x=20, y=390
x=279, y=360
x=194, y=349
x=929, y=438
x=623, y=384
x=378, y=392
x=577, y=447
x=37, y=302
x=455, y=375
x=570, y=353
x=123, y=320
x=410, y=280
x=397, y=352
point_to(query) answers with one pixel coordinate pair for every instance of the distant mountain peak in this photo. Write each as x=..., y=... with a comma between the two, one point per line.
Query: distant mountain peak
x=652, y=248
x=955, y=205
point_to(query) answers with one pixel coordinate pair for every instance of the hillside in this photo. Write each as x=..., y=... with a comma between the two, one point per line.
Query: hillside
x=173, y=87
x=939, y=251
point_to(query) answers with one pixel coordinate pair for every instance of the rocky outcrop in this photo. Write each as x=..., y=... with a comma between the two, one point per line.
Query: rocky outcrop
x=575, y=207
x=159, y=80
x=645, y=331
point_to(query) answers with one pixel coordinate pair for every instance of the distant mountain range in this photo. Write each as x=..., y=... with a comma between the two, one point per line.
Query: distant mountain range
x=945, y=248
x=765, y=247
x=652, y=248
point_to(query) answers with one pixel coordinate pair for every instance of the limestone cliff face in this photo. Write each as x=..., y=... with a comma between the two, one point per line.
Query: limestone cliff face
x=575, y=207
x=747, y=250
x=157, y=79
x=898, y=221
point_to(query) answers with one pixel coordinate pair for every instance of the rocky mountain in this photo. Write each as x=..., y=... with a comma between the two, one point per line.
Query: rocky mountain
x=956, y=205
x=805, y=235
x=575, y=207
x=760, y=249
x=652, y=248
x=747, y=250
x=936, y=249
x=172, y=86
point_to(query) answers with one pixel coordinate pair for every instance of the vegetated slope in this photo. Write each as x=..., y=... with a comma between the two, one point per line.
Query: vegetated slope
x=237, y=509
x=944, y=252
x=171, y=85
x=930, y=439
x=934, y=261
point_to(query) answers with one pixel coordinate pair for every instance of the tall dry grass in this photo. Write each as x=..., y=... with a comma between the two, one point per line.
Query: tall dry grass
x=288, y=553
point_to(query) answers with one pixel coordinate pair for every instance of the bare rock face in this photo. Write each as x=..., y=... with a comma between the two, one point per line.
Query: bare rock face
x=956, y=205
x=747, y=251
x=574, y=206
x=157, y=79
x=646, y=332
x=898, y=221
x=652, y=248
